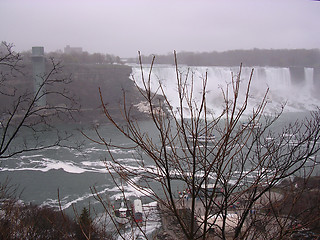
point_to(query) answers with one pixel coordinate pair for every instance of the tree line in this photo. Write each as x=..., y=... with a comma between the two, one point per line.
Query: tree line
x=254, y=57
x=83, y=57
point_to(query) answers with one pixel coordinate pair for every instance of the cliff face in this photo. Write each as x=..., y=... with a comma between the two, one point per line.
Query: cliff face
x=114, y=84
x=113, y=81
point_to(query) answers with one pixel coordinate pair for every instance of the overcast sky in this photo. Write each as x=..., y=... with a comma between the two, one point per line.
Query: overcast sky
x=122, y=27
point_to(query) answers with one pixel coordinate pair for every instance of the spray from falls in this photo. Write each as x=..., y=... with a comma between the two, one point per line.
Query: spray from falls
x=293, y=87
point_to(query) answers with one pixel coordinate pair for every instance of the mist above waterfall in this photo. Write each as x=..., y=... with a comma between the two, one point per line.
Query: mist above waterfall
x=293, y=88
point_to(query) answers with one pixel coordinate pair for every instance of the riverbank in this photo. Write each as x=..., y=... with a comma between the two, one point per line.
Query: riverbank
x=171, y=230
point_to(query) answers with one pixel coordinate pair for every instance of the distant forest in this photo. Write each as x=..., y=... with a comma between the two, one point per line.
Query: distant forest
x=254, y=57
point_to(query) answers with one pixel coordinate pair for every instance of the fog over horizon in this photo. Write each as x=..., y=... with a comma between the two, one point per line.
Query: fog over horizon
x=123, y=27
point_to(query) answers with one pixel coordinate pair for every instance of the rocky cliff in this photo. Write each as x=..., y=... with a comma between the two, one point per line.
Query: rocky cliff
x=86, y=79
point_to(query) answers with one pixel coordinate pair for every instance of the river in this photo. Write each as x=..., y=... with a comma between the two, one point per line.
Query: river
x=41, y=174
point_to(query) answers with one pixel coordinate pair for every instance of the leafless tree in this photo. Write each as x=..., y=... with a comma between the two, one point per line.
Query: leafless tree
x=229, y=169
x=24, y=124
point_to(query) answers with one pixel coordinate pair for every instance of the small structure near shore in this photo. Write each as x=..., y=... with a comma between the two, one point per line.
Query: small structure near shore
x=137, y=210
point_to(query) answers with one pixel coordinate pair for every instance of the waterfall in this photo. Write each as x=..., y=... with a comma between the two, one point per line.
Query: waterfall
x=282, y=88
x=309, y=80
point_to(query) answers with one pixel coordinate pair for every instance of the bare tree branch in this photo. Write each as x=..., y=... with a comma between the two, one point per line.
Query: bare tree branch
x=230, y=168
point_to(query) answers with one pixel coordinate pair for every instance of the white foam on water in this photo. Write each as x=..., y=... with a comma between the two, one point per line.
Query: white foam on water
x=66, y=202
x=31, y=156
x=47, y=164
x=128, y=160
x=121, y=151
x=56, y=147
x=94, y=149
x=66, y=166
x=130, y=191
x=93, y=164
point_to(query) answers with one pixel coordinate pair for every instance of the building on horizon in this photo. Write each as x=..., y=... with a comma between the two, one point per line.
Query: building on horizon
x=39, y=73
x=70, y=50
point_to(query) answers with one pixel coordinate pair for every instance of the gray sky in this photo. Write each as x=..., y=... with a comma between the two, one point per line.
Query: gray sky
x=122, y=27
